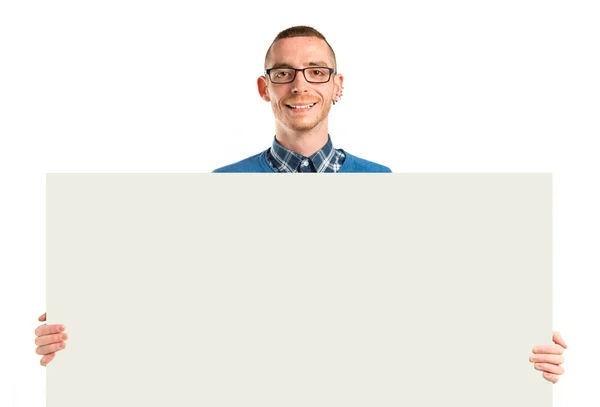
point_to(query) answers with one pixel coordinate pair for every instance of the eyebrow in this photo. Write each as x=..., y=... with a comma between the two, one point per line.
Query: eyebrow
x=284, y=65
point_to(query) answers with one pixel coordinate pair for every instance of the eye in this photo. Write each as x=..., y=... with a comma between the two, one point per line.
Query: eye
x=318, y=72
x=281, y=74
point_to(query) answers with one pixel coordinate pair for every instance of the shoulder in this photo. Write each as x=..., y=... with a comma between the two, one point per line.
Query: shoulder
x=357, y=164
x=255, y=163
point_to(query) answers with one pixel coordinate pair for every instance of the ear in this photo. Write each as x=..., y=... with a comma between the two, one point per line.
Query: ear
x=261, y=82
x=338, y=81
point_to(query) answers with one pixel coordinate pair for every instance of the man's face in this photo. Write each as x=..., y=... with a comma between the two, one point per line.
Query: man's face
x=300, y=52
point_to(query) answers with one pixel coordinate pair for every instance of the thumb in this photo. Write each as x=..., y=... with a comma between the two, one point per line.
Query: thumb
x=557, y=338
x=42, y=317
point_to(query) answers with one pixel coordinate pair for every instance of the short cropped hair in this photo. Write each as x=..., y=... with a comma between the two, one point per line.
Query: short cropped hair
x=300, y=31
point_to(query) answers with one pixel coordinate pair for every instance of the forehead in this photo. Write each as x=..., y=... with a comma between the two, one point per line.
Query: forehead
x=300, y=52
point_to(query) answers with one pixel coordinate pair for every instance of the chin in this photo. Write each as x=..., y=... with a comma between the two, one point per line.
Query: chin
x=302, y=126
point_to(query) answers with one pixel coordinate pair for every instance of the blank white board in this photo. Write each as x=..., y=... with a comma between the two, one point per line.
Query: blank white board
x=299, y=289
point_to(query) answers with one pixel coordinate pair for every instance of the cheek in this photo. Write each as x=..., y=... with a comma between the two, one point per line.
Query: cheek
x=328, y=95
x=326, y=99
x=276, y=105
x=275, y=98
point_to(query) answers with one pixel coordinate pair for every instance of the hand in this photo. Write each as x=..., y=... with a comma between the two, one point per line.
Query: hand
x=50, y=339
x=548, y=358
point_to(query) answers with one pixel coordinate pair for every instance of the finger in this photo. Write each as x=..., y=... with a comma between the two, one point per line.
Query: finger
x=549, y=368
x=55, y=347
x=550, y=377
x=49, y=329
x=549, y=349
x=49, y=339
x=557, y=338
x=42, y=317
x=554, y=359
x=47, y=359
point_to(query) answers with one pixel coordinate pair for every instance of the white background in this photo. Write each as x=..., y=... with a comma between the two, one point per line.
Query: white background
x=465, y=86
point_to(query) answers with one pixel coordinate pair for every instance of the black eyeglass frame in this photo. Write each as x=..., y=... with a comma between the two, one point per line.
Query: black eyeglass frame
x=331, y=72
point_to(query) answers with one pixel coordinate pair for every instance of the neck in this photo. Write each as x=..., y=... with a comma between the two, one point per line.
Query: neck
x=305, y=143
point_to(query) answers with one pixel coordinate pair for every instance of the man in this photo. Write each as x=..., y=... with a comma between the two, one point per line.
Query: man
x=301, y=83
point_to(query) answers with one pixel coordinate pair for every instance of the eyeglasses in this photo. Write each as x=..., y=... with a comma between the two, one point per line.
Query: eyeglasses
x=313, y=74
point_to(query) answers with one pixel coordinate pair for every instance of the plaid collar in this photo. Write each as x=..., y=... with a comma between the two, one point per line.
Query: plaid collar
x=327, y=159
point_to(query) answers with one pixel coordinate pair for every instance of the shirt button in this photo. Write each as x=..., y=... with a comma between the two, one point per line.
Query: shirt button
x=305, y=163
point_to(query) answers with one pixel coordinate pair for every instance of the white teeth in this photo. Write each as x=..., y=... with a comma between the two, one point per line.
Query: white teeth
x=302, y=107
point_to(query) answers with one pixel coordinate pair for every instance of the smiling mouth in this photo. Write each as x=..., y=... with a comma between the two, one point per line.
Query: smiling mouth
x=301, y=106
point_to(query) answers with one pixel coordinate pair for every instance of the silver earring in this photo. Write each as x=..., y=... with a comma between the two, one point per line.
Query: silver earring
x=338, y=96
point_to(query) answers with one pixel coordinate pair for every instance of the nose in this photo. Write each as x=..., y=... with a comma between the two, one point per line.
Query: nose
x=299, y=84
